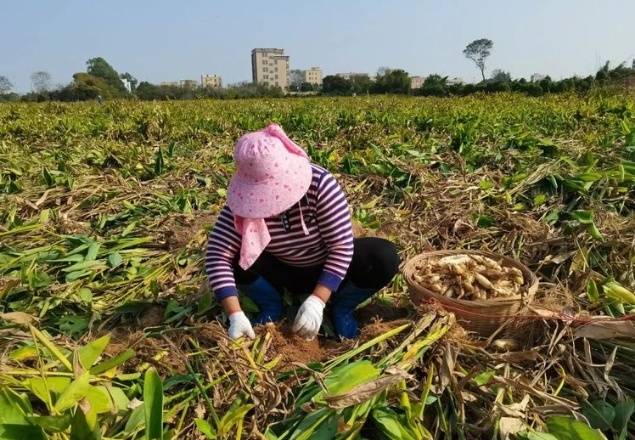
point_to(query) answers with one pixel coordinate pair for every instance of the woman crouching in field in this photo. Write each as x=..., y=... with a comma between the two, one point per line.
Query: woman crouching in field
x=286, y=225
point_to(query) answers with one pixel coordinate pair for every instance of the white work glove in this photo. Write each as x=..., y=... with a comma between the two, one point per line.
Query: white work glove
x=239, y=325
x=309, y=318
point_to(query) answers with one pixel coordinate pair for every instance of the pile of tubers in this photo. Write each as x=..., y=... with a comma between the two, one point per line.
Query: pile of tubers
x=470, y=277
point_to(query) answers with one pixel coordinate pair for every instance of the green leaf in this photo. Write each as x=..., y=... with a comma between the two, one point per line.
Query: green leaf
x=484, y=377
x=93, y=249
x=539, y=199
x=70, y=277
x=85, y=294
x=232, y=417
x=13, y=408
x=535, y=435
x=84, y=265
x=112, y=362
x=153, y=400
x=567, y=428
x=48, y=179
x=75, y=392
x=326, y=430
x=158, y=162
x=205, y=303
x=80, y=248
x=600, y=414
x=21, y=432
x=44, y=340
x=310, y=423
x=347, y=377
x=553, y=216
x=119, y=398
x=128, y=229
x=205, y=428
x=24, y=353
x=52, y=423
x=74, y=258
x=485, y=221
x=592, y=291
x=391, y=425
x=486, y=184
x=623, y=413
x=42, y=386
x=90, y=352
x=72, y=325
x=114, y=260
x=269, y=435
x=99, y=403
x=248, y=304
x=617, y=292
x=136, y=419
x=80, y=429
x=594, y=232
x=583, y=217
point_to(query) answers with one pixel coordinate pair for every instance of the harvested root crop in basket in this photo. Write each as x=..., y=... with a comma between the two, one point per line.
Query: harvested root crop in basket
x=469, y=277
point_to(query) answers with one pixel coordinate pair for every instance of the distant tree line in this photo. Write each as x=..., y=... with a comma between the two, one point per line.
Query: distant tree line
x=500, y=81
x=102, y=81
x=148, y=91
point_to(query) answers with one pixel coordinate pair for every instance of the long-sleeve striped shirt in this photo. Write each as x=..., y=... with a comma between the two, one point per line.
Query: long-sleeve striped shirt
x=329, y=242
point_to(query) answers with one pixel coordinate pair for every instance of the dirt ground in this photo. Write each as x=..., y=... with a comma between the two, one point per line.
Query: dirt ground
x=375, y=319
x=179, y=231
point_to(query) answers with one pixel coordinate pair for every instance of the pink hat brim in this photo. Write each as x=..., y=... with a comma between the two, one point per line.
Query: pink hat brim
x=273, y=196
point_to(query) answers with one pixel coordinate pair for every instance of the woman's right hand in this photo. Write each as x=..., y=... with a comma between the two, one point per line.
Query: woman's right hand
x=239, y=326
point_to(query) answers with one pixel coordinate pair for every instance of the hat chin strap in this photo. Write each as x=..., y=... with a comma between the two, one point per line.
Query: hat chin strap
x=304, y=228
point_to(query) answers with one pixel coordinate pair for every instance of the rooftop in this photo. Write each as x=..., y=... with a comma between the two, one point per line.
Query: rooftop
x=267, y=49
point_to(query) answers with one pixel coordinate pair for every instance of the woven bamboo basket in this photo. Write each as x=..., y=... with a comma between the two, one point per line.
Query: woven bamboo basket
x=480, y=316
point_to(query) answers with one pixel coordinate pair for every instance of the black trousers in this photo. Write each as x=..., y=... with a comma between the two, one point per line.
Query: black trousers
x=375, y=262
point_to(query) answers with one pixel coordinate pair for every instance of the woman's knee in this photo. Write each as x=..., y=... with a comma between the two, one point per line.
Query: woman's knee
x=376, y=261
x=388, y=257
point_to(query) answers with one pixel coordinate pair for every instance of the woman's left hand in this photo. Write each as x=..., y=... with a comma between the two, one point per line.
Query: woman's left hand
x=309, y=318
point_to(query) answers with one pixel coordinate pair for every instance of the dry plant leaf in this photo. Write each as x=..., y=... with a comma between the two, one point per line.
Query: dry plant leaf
x=509, y=426
x=367, y=390
x=19, y=318
x=606, y=330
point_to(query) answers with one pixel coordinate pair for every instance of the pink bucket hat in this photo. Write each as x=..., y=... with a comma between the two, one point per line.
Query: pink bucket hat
x=272, y=174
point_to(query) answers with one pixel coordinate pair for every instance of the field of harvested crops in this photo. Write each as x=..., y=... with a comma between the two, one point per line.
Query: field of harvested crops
x=108, y=331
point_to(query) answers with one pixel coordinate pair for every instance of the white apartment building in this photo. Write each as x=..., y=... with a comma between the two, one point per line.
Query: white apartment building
x=270, y=66
x=211, y=81
x=313, y=76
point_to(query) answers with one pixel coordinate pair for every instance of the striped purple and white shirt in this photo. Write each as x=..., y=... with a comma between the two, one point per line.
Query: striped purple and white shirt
x=329, y=242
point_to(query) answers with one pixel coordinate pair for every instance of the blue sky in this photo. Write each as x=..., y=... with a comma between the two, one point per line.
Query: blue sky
x=170, y=40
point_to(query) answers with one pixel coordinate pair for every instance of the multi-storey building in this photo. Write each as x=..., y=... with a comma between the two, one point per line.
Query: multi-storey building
x=270, y=67
x=313, y=76
x=211, y=81
x=416, y=82
x=188, y=83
